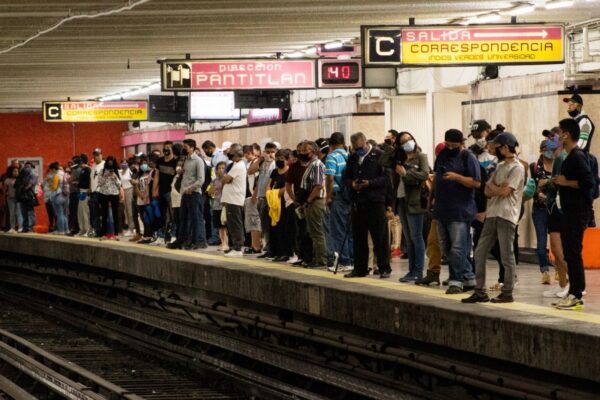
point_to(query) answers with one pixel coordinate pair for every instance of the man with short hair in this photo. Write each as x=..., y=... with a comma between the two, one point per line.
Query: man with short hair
x=191, y=198
x=457, y=175
x=586, y=126
x=505, y=192
x=265, y=168
x=84, y=185
x=313, y=182
x=232, y=198
x=339, y=203
x=371, y=188
x=251, y=215
x=575, y=184
x=94, y=201
x=74, y=195
x=161, y=189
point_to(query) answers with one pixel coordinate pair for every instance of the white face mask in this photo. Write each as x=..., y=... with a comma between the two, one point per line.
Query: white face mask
x=481, y=143
x=409, y=146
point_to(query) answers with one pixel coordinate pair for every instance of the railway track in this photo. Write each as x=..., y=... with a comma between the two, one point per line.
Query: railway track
x=269, y=355
x=46, y=359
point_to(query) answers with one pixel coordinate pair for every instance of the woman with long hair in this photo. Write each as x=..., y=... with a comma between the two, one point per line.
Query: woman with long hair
x=109, y=186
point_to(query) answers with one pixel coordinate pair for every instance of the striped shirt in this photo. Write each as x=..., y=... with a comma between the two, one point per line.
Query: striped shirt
x=314, y=176
x=335, y=165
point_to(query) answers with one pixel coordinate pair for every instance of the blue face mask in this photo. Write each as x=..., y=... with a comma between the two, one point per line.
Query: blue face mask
x=409, y=146
x=144, y=168
x=361, y=152
x=549, y=154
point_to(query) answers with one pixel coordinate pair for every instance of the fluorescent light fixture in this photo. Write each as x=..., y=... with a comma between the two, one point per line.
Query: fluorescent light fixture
x=311, y=50
x=519, y=9
x=553, y=5
x=333, y=45
x=295, y=54
x=132, y=92
x=483, y=18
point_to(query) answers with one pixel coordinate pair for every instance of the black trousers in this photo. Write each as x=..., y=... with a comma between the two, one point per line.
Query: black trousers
x=281, y=234
x=574, y=222
x=73, y=204
x=105, y=200
x=235, y=226
x=370, y=218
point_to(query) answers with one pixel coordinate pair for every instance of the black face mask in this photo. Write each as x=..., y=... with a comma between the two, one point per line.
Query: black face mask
x=184, y=152
x=166, y=152
x=574, y=113
x=230, y=156
x=304, y=156
x=208, y=153
x=280, y=164
x=388, y=142
x=452, y=152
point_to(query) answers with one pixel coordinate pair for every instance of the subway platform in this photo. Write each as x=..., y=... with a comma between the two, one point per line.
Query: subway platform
x=528, y=333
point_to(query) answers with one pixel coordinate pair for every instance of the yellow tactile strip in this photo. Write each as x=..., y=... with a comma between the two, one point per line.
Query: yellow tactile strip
x=406, y=288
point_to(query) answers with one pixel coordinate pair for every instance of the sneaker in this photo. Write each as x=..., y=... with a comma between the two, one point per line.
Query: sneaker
x=570, y=302
x=267, y=256
x=545, y=278
x=174, y=245
x=476, y=298
x=11, y=231
x=396, y=253
x=409, y=278
x=553, y=293
x=496, y=287
x=385, y=274
x=341, y=268
x=136, y=238
x=127, y=233
x=503, y=298
x=298, y=262
x=314, y=264
x=292, y=260
x=454, y=290
x=250, y=250
x=429, y=280
x=281, y=259
x=235, y=253
x=564, y=292
x=445, y=282
x=20, y=230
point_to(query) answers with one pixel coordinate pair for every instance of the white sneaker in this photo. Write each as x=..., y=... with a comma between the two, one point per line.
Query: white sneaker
x=20, y=230
x=341, y=268
x=11, y=231
x=555, y=292
x=127, y=233
x=563, y=292
x=234, y=253
x=292, y=260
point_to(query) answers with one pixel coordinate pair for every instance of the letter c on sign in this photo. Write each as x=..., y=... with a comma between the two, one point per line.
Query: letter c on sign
x=53, y=111
x=378, y=48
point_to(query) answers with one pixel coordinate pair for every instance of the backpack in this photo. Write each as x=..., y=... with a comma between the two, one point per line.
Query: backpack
x=593, y=164
x=207, y=176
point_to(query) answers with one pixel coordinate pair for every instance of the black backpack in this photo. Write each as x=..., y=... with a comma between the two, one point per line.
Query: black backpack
x=207, y=176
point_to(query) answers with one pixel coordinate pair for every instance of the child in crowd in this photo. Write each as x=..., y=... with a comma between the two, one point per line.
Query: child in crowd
x=215, y=191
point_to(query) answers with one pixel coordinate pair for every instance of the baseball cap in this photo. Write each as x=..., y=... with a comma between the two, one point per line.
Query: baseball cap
x=575, y=99
x=225, y=145
x=97, y=151
x=479, y=126
x=506, y=138
x=454, y=136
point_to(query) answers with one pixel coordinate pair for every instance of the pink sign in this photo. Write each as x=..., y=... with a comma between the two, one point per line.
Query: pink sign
x=252, y=74
x=131, y=138
x=258, y=115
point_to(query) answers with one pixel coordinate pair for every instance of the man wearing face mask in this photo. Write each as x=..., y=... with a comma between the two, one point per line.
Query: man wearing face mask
x=457, y=175
x=586, y=126
x=505, y=192
x=162, y=186
x=233, y=197
x=191, y=198
x=370, y=187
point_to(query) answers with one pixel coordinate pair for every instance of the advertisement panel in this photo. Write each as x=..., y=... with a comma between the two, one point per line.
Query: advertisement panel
x=94, y=111
x=463, y=45
x=197, y=75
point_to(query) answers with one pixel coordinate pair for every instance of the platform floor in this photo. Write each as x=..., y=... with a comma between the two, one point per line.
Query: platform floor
x=528, y=292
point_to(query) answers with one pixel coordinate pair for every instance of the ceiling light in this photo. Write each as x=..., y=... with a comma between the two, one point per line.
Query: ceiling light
x=519, y=9
x=484, y=18
x=333, y=45
x=295, y=54
x=552, y=5
x=132, y=92
x=311, y=50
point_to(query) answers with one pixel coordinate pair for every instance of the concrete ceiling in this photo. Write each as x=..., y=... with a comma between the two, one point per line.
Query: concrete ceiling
x=88, y=58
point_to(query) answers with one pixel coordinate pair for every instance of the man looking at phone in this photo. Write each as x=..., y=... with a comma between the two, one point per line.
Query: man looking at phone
x=371, y=192
x=457, y=175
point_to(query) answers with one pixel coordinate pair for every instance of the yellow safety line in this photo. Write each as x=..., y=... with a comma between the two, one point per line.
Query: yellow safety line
x=406, y=288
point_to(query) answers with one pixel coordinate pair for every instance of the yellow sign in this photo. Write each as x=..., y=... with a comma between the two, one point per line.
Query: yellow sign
x=463, y=45
x=95, y=111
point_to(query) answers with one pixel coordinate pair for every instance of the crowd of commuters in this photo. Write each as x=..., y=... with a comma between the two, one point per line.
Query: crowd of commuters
x=328, y=205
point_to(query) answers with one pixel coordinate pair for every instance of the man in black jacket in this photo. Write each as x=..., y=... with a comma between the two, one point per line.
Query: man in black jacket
x=575, y=192
x=370, y=187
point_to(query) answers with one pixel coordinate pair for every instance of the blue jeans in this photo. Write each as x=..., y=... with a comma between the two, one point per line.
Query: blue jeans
x=540, y=218
x=60, y=202
x=340, y=228
x=455, y=241
x=412, y=229
x=28, y=217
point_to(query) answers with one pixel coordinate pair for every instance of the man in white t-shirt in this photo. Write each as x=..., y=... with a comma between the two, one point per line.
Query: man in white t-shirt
x=504, y=189
x=233, y=197
x=94, y=203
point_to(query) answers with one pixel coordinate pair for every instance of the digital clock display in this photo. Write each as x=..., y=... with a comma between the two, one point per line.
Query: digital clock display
x=342, y=73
